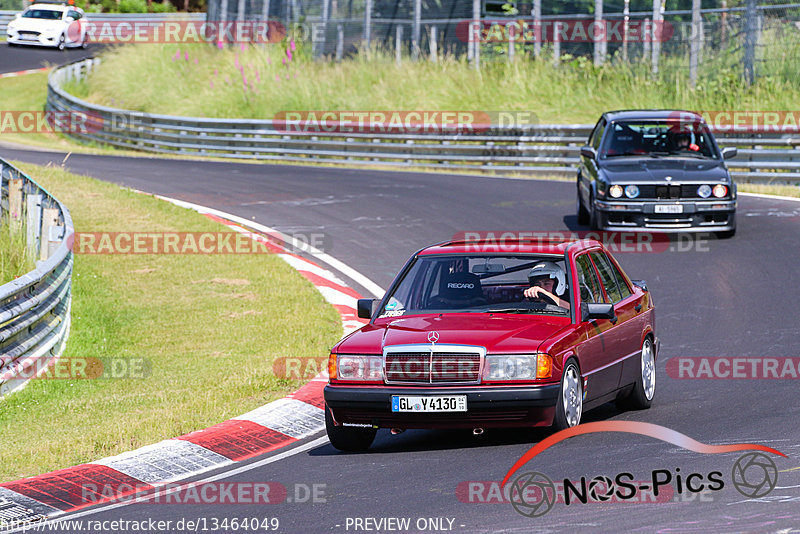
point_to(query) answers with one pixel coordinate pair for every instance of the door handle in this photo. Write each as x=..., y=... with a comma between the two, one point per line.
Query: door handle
x=638, y=307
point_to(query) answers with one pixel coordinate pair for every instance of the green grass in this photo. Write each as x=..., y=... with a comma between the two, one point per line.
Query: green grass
x=158, y=78
x=210, y=326
x=15, y=260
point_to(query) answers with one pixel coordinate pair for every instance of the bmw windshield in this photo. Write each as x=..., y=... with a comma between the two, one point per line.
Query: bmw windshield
x=480, y=284
x=656, y=138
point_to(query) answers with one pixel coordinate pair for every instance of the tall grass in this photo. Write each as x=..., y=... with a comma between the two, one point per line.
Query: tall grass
x=15, y=259
x=257, y=82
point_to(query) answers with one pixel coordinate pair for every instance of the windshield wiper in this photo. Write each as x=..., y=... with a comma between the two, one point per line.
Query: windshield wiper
x=524, y=310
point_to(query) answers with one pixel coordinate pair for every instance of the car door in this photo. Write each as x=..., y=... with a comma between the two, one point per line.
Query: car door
x=594, y=352
x=624, y=338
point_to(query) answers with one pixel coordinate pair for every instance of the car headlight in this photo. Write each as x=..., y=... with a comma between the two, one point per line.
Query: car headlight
x=615, y=191
x=720, y=190
x=356, y=367
x=704, y=191
x=632, y=191
x=517, y=367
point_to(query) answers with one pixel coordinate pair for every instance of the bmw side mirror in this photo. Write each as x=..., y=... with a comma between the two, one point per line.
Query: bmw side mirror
x=366, y=307
x=588, y=152
x=729, y=152
x=591, y=310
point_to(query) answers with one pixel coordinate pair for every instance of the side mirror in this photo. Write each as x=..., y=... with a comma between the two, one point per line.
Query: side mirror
x=588, y=152
x=729, y=152
x=590, y=310
x=641, y=284
x=366, y=307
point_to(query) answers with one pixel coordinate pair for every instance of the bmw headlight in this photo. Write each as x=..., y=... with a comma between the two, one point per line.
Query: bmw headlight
x=632, y=191
x=615, y=191
x=720, y=190
x=704, y=191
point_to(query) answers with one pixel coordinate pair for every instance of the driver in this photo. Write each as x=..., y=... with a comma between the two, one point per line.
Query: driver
x=548, y=284
x=681, y=139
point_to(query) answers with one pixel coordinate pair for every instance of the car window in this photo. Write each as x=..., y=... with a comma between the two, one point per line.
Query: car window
x=598, y=135
x=607, y=276
x=47, y=14
x=589, y=286
x=624, y=290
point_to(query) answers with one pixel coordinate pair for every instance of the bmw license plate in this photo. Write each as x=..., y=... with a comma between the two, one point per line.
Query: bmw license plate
x=443, y=403
x=669, y=208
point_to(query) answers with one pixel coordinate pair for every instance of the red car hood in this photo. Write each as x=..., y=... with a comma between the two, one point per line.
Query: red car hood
x=498, y=333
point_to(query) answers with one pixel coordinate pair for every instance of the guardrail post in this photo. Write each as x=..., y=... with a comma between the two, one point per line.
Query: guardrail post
x=476, y=45
x=368, y=24
x=656, y=33
x=51, y=232
x=33, y=214
x=15, y=201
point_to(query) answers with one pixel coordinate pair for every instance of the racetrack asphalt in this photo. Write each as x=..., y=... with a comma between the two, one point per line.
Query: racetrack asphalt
x=734, y=298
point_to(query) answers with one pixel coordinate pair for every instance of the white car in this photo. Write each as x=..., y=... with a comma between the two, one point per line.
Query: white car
x=48, y=24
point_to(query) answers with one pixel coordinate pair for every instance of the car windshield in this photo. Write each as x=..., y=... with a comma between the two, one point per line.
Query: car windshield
x=47, y=14
x=662, y=138
x=477, y=284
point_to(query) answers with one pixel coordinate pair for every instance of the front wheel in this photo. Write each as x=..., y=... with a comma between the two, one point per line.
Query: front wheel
x=348, y=439
x=641, y=397
x=570, y=400
x=583, y=215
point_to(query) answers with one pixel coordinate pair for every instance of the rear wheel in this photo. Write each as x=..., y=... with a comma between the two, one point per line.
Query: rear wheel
x=641, y=397
x=570, y=399
x=348, y=439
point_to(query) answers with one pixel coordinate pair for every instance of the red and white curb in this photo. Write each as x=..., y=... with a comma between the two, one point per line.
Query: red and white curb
x=22, y=73
x=265, y=429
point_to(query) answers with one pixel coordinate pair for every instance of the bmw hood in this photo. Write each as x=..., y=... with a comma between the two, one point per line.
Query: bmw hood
x=656, y=170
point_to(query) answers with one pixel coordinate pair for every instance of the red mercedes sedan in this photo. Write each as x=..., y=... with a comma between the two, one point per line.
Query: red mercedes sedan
x=477, y=334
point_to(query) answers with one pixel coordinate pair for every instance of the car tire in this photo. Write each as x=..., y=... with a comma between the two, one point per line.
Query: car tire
x=348, y=439
x=644, y=389
x=84, y=44
x=62, y=43
x=592, y=213
x=583, y=215
x=569, y=407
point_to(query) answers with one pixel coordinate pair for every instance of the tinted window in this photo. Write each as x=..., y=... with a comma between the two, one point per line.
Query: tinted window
x=607, y=276
x=598, y=135
x=589, y=286
x=625, y=292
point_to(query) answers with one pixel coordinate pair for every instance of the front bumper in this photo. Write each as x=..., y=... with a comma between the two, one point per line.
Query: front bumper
x=696, y=216
x=41, y=40
x=487, y=406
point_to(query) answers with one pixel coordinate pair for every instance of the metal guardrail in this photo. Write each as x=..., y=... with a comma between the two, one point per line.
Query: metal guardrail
x=34, y=308
x=532, y=149
x=6, y=16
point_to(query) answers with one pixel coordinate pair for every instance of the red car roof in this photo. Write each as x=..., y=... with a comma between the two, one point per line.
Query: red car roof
x=500, y=244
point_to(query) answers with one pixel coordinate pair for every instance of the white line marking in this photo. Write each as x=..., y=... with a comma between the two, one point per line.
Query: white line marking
x=226, y=474
x=770, y=197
